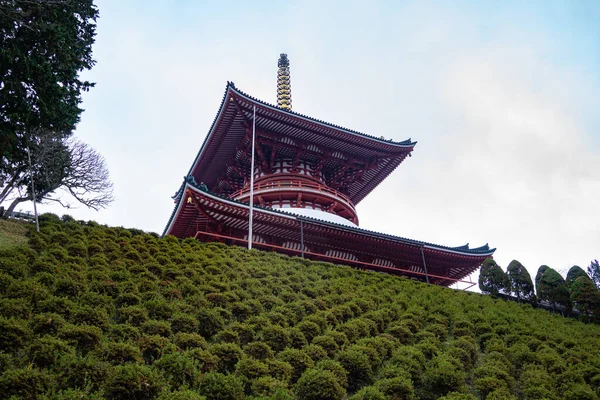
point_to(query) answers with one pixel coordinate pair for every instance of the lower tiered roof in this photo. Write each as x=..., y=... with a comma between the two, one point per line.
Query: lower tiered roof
x=209, y=217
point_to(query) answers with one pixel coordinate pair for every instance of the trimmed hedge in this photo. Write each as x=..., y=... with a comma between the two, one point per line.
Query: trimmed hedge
x=94, y=312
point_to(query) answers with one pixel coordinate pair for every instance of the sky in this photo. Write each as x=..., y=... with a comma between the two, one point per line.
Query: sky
x=502, y=98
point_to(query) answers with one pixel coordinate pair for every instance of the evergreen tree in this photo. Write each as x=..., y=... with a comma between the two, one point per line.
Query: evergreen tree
x=594, y=272
x=538, y=276
x=44, y=45
x=574, y=273
x=520, y=281
x=492, y=279
x=585, y=295
x=553, y=288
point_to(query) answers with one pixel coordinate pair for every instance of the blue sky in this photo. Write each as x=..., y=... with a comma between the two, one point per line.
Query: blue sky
x=502, y=98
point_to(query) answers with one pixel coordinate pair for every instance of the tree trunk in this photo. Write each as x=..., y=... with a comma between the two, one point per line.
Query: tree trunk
x=12, y=206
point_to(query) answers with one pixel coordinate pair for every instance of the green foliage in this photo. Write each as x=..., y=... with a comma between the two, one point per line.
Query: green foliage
x=492, y=279
x=272, y=328
x=133, y=381
x=319, y=384
x=594, y=272
x=585, y=296
x=553, y=288
x=520, y=281
x=221, y=387
x=575, y=272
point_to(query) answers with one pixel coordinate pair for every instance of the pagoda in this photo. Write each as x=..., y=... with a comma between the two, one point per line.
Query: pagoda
x=308, y=176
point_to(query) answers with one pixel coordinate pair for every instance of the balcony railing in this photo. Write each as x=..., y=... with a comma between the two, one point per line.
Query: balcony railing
x=286, y=185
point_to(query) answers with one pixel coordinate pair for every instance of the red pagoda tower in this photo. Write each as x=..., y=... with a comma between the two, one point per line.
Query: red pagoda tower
x=308, y=176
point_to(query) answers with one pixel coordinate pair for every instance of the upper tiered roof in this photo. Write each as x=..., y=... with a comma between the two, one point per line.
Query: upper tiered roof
x=229, y=131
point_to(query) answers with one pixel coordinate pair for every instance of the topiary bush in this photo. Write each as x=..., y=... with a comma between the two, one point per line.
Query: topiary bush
x=319, y=384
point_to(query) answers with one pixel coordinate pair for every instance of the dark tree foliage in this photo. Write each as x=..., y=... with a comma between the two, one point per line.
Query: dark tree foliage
x=520, y=281
x=44, y=45
x=594, y=272
x=492, y=280
x=585, y=296
x=575, y=272
x=553, y=289
x=538, y=276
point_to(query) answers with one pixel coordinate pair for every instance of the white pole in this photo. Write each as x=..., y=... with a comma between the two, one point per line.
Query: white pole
x=252, y=180
x=37, y=222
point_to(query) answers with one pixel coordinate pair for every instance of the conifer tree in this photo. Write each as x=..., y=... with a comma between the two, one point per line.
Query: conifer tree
x=552, y=288
x=594, y=272
x=492, y=279
x=585, y=296
x=520, y=281
x=574, y=273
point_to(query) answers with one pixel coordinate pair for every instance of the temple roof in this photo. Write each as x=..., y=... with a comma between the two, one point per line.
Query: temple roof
x=463, y=250
x=230, y=125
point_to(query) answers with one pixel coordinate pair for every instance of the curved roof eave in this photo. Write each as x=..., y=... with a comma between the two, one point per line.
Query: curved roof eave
x=479, y=251
x=231, y=87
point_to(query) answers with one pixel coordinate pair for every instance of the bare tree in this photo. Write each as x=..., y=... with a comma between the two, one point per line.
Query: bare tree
x=58, y=163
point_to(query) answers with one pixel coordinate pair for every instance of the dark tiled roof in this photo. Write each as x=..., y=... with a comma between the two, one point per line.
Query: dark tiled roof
x=483, y=250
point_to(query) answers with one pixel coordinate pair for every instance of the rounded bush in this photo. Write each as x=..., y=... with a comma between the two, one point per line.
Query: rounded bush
x=216, y=386
x=298, y=359
x=188, y=341
x=25, y=383
x=184, y=394
x=267, y=386
x=179, y=369
x=258, y=350
x=318, y=384
x=44, y=352
x=209, y=322
x=368, y=393
x=119, y=353
x=228, y=354
x=133, y=382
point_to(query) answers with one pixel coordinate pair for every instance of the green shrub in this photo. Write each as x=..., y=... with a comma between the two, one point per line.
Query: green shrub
x=183, y=394
x=152, y=347
x=85, y=338
x=368, y=393
x=209, y=322
x=13, y=334
x=358, y=365
x=119, y=353
x=326, y=342
x=25, y=383
x=258, y=350
x=160, y=328
x=133, y=381
x=267, y=386
x=443, y=374
x=336, y=369
x=276, y=337
x=184, y=323
x=221, y=387
x=86, y=373
x=398, y=387
x=134, y=315
x=44, y=352
x=319, y=384
x=179, y=369
x=298, y=359
x=123, y=333
x=228, y=353
x=189, y=341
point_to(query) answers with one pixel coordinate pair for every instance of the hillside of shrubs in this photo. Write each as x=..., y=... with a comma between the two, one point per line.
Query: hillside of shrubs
x=93, y=312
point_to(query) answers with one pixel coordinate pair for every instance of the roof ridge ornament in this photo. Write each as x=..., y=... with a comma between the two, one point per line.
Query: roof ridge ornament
x=284, y=87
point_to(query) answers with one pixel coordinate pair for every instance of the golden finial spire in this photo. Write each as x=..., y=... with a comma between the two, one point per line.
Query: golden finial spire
x=284, y=87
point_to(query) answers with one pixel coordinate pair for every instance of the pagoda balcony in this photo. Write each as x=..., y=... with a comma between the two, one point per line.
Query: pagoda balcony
x=291, y=192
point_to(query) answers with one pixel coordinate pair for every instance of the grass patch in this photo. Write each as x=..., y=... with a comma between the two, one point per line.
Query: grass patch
x=12, y=233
